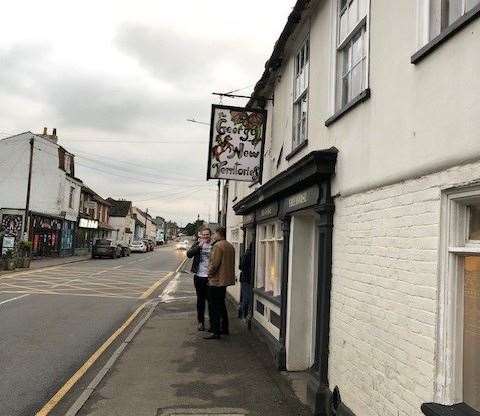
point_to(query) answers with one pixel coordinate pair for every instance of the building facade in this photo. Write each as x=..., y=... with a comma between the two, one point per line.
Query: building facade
x=365, y=226
x=160, y=225
x=54, y=195
x=144, y=225
x=93, y=221
x=122, y=220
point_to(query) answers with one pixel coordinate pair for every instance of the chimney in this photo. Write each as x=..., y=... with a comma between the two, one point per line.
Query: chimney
x=51, y=137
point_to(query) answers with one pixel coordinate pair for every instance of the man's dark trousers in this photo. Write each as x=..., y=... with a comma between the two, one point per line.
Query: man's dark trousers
x=202, y=292
x=218, y=309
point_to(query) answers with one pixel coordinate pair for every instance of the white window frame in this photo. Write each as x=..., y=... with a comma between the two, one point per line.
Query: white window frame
x=425, y=21
x=339, y=44
x=265, y=241
x=300, y=76
x=454, y=245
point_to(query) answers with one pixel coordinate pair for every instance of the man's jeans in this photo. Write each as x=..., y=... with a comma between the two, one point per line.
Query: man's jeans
x=201, y=288
x=218, y=309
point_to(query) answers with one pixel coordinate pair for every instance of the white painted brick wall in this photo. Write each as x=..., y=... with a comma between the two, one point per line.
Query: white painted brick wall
x=384, y=294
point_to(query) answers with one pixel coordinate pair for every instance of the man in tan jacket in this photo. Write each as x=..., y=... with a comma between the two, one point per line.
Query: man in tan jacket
x=221, y=273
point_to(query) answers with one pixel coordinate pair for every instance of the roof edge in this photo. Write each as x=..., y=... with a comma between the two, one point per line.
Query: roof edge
x=275, y=60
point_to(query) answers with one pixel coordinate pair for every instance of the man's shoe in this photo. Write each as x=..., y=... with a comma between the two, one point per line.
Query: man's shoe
x=210, y=330
x=201, y=327
x=213, y=336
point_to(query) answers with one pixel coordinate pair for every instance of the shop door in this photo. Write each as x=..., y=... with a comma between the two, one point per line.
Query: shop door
x=301, y=299
x=45, y=243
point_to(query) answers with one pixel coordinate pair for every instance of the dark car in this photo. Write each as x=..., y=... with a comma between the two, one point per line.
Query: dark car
x=125, y=250
x=106, y=248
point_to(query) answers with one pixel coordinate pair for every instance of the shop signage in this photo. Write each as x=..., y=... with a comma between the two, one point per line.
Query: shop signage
x=86, y=223
x=303, y=199
x=46, y=223
x=237, y=138
x=8, y=244
x=268, y=211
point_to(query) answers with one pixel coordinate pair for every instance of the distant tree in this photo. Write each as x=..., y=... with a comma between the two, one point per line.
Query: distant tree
x=190, y=229
x=193, y=228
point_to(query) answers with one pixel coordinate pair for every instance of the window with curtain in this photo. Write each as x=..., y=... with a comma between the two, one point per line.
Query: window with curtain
x=352, y=50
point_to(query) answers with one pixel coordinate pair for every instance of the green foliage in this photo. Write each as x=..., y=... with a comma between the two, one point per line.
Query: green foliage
x=10, y=254
x=25, y=248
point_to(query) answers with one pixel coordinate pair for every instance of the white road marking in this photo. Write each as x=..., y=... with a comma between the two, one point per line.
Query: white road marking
x=15, y=298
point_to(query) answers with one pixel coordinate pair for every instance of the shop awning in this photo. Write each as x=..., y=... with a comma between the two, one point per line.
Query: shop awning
x=312, y=169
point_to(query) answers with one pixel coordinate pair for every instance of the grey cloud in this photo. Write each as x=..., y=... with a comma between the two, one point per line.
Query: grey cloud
x=88, y=100
x=181, y=59
x=19, y=67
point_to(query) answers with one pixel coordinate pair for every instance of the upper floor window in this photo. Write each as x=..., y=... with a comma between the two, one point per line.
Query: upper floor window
x=300, y=98
x=443, y=13
x=352, y=51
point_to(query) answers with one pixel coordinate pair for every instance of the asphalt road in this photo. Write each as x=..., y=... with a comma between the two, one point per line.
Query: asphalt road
x=52, y=320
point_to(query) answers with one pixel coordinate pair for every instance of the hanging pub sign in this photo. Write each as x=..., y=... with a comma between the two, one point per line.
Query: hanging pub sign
x=237, y=139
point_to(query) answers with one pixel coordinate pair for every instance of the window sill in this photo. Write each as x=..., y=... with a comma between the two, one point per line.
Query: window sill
x=460, y=409
x=260, y=291
x=297, y=150
x=445, y=35
x=360, y=98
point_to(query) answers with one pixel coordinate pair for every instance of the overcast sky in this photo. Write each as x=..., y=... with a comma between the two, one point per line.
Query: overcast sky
x=114, y=75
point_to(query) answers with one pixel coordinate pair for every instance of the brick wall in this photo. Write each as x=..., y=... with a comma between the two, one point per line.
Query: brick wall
x=384, y=294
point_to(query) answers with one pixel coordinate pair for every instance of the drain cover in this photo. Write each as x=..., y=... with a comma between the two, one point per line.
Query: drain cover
x=202, y=412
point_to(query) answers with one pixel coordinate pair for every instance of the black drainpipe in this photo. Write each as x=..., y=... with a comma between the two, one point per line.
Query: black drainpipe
x=282, y=354
x=318, y=390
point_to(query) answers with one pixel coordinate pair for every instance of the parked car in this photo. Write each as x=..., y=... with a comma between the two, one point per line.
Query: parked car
x=106, y=248
x=138, y=247
x=182, y=245
x=125, y=249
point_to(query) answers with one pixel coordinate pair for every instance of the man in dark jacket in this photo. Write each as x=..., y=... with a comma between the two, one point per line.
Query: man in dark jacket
x=200, y=252
x=245, y=282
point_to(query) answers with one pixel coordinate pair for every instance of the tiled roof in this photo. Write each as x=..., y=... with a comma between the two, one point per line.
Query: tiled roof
x=119, y=208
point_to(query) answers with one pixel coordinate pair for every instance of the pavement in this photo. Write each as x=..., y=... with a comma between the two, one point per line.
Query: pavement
x=53, y=319
x=169, y=369
x=48, y=262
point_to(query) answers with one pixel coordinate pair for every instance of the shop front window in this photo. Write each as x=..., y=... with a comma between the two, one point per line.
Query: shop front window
x=471, y=332
x=269, y=257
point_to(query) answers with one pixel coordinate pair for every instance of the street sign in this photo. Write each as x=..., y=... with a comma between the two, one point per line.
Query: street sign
x=237, y=139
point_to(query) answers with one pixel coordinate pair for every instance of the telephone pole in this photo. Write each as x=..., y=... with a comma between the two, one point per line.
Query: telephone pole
x=146, y=219
x=29, y=186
